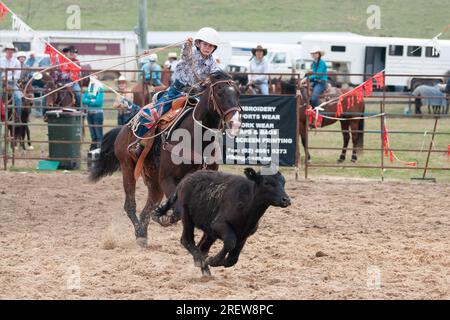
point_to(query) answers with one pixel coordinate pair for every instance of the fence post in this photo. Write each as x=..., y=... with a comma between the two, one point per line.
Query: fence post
x=306, y=128
x=297, y=148
x=382, y=108
x=431, y=146
x=1, y=124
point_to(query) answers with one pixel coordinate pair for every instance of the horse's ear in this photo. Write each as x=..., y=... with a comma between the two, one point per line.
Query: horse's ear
x=251, y=174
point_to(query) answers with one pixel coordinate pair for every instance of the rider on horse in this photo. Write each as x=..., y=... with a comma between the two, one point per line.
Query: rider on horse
x=259, y=64
x=194, y=67
x=319, y=81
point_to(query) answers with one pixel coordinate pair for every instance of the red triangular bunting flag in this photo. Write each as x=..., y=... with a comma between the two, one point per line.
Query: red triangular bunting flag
x=3, y=11
x=57, y=58
x=379, y=77
x=368, y=85
x=339, y=109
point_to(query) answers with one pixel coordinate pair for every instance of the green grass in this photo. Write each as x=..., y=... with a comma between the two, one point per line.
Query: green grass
x=413, y=18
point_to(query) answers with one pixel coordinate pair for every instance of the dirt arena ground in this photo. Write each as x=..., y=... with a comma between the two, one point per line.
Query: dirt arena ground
x=341, y=239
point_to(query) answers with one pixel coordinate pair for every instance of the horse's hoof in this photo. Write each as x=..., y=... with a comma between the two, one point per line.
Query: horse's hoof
x=354, y=160
x=142, y=242
x=206, y=272
x=200, y=263
x=30, y=148
x=339, y=161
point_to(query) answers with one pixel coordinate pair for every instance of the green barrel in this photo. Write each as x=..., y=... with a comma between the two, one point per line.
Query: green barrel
x=65, y=126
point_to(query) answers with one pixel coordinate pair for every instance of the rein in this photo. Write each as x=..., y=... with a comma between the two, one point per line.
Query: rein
x=212, y=97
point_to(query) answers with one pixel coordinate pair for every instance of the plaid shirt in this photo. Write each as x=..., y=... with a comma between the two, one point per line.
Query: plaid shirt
x=190, y=58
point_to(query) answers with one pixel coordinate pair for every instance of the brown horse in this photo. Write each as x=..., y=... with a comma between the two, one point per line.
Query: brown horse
x=356, y=126
x=18, y=123
x=142, y=95
x=218, y=103
x=357, y=110
x=64, y=98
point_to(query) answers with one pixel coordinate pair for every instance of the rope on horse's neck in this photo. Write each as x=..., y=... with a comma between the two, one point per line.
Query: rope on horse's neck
x=95, y=73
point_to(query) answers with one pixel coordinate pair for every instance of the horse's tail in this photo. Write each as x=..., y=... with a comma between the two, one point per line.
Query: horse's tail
x=107, y=163
x=360, y=140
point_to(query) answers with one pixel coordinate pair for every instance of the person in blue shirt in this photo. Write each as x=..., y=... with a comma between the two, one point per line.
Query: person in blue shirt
x=318, y=82
x=152, y=70
x=93, y=102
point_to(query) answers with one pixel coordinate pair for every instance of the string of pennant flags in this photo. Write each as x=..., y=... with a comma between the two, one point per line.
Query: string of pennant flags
x=356, y=95
x=56, y=57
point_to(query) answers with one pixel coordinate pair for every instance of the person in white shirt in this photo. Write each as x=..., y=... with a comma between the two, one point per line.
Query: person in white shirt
x=259, y=64
x=9, y=61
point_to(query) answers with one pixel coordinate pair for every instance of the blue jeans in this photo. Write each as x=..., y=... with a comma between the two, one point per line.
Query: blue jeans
x=263, y=86
x=160, y=108
x=17, y=97
x=122, y=119
x=77, y=90
x=318, y=88
x=95, y=119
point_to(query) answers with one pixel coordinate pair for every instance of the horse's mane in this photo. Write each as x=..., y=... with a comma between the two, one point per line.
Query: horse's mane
x=220, y=75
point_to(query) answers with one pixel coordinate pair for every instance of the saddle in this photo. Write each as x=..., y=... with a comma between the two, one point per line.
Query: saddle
x=329, y=93
x=167, y=122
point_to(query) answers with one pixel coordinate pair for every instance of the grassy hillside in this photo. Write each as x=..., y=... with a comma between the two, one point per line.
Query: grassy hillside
x=412, y=18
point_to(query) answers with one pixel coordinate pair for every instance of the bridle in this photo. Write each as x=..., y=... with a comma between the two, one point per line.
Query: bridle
x=300, y=93
x=216, y=108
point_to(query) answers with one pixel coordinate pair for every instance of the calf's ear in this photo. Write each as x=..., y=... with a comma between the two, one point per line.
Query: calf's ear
x=251, y=174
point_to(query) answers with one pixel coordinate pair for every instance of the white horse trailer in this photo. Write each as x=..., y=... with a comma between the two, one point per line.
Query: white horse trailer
x=361, y=54
x=91, y=45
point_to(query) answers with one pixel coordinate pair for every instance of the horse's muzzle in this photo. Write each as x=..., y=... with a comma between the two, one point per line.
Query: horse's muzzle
x=234, y=123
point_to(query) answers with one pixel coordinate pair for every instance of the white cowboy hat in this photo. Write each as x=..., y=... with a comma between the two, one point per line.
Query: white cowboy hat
x=121, y=78
x=172, y=55
x=153, y=57
x=9, y=46
x=317, y=49
x=21, y=54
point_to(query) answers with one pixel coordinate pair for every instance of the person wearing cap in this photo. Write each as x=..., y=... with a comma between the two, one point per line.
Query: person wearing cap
x=71, y=53
x=123, y=102
x=22, y=57
x=93, y=102
x=172, y=58
x=318, y=81
x=9, y=61
x=259, y=64
x=194, y=67
x=152, y=70
x=166, y=74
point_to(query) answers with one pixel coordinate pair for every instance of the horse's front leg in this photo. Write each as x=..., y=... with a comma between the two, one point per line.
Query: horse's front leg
x=154, y=196
x=355, y=134
x=129, y=186
x=302, y=130
x=346, y=137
